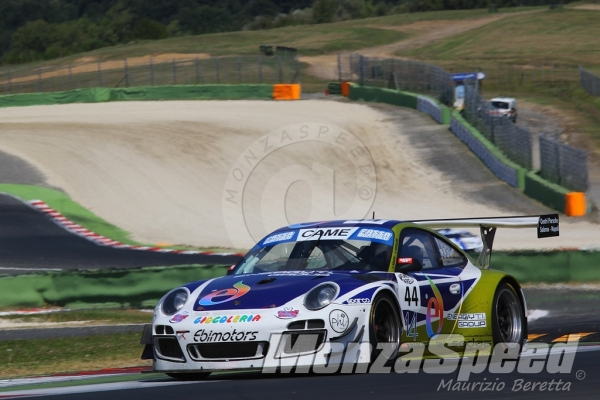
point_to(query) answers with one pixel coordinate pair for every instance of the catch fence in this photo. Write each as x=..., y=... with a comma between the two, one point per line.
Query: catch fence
x=149, y=72
x=559, y=163
x=589, y=82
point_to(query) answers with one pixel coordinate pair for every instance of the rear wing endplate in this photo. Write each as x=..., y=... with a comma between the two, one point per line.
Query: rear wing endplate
x=547, y=226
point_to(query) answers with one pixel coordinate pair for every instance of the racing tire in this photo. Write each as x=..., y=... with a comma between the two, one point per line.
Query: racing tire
x=384, y=327
x=509, y=324
x=188, y=376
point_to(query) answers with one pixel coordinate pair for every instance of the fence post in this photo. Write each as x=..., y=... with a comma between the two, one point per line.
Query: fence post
x=151, y=72
x=70, y=77
x=239, y=67
x=351, y=61
x=174, y=72
x=99, y=74
x=126, y=72
x=280, y=71
x=197, y=62
x=339, y=67
x=361, y=72
x=298, y=70
x=260, y=77
x=218, y=72
x=10, y=87
x=39, y=88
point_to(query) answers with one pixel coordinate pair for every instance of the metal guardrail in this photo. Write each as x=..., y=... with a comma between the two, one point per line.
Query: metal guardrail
x=149, y=72
x=560, y=163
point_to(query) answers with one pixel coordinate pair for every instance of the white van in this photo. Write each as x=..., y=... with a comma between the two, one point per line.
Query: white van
x=504, y=107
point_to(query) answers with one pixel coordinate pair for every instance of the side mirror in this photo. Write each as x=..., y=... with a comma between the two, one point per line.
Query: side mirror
x=408, y=264
x=230, y=270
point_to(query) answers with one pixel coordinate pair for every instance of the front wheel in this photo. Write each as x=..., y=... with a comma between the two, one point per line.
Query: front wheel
x=384, y=328
x=188, y=376
x=509, y=324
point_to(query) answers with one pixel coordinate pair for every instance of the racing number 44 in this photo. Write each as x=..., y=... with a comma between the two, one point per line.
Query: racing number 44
x=411, y=296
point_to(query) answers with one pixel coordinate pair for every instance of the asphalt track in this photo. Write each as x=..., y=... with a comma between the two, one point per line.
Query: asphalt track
x=30, y=242
x=582, y=382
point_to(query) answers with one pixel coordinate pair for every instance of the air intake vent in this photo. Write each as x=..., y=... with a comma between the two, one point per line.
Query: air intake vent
x=168, y=348
x=228, y=351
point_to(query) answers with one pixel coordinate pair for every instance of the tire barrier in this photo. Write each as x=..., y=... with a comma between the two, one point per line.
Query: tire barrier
x=286, y=92
x=575, y=204
x=503, y=168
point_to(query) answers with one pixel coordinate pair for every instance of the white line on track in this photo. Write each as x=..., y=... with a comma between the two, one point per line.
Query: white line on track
x=102, y=387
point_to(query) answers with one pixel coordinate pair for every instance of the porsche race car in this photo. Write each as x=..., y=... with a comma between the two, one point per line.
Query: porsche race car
x=317, y=289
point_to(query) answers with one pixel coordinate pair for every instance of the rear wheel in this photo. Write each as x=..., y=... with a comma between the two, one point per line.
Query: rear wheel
x=188, y=376
x=509, y=324
x=384, y=328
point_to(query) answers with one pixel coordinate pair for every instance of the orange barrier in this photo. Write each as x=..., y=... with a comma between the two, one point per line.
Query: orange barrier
x=346, y=88
x=286, y=91
x=575, y=204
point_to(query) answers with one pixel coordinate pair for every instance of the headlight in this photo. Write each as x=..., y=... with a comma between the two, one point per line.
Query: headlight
x=174, y=301
x=321, y=296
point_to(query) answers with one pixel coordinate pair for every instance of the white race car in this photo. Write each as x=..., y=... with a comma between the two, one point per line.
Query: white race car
x=463, y=239
x=340, y=294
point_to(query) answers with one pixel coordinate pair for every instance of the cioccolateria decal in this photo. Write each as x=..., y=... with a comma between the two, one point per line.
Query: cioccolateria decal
x=227, y=319
x=225, y=295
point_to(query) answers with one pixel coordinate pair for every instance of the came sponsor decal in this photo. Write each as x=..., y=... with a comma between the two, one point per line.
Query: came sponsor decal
x=207, y=336
x=227, y=319
x=325, y=234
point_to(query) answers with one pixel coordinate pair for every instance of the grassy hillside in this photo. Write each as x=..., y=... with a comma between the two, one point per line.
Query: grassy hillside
x=533, y=57
x=308, y=39
x=564, y=36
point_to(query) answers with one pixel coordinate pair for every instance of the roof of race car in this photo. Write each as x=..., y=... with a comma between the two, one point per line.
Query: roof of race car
x=384, y=223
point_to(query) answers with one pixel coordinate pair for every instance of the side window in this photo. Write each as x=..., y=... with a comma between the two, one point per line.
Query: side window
x=418, y=243
x=450, y=257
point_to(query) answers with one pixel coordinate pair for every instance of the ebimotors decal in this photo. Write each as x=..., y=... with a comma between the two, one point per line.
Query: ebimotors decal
x=225, y=295
x=325, y=234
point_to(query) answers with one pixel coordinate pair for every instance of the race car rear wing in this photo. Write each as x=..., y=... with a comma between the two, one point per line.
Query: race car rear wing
x=547, y=226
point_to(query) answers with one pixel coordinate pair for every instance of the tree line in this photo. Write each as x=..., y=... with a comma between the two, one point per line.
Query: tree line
x=44, y=29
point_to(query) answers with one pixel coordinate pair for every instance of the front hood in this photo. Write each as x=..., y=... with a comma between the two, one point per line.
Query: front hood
x=274, y=289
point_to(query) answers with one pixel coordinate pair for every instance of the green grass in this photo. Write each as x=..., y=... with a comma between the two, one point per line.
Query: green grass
x=107, y=317
x=308, y=39
x=550, y=37
x=49, y=356
x=533, y=57
x=62, y=203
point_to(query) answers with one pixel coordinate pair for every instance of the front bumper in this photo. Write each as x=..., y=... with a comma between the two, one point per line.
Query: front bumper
x=197, y=346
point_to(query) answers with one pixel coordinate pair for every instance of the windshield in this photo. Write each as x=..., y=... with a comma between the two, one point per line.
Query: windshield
x=327, y=253
x=500, y=104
